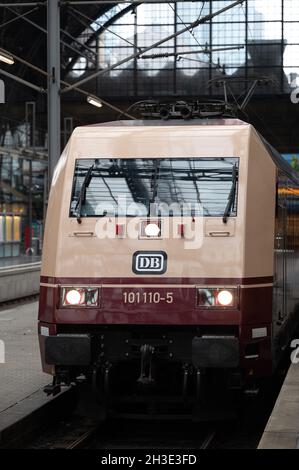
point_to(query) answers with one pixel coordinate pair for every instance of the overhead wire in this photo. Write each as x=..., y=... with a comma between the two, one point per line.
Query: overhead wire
x=91, y=21
x=191, y=31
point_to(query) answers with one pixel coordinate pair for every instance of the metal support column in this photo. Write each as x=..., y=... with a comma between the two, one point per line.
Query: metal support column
x=54, y=142
x=30, y=118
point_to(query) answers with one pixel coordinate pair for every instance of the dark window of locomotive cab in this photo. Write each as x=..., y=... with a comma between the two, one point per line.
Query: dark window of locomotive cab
x=127, y=187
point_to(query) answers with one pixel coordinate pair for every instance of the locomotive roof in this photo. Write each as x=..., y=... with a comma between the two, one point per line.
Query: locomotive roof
x=225, y=122
x=172, y=122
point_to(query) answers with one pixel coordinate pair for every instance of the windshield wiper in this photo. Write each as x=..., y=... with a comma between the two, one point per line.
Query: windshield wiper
x=82, y=195
x=154, y=184
x=232, y=195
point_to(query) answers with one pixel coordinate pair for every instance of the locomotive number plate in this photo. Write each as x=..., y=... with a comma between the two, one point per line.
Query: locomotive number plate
x=132, y=297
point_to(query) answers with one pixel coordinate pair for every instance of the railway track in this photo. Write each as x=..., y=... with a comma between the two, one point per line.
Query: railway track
x=118, y=433
x=122, y=432
x=82, y=428
x=83, y=440
x=84, y=434
x=33, y=415
x=207, y=442
x=75, y=431
x=101, y=443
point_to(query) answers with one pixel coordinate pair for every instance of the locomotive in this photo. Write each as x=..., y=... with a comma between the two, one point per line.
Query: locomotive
x=170, y=259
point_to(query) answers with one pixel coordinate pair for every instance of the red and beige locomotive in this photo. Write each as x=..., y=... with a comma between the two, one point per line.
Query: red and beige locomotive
x=146, y=298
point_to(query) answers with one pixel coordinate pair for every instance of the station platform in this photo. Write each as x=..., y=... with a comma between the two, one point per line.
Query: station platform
x=19, y=277
x=18, y=261
x=282, y=430
x=21, y=375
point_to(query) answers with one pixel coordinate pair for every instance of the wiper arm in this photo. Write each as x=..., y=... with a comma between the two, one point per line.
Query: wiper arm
x=232, y=194
x=82, y=195
x=154, y=184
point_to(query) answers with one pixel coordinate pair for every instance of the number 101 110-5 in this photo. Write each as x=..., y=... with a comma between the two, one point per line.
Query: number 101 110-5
x=147, y=297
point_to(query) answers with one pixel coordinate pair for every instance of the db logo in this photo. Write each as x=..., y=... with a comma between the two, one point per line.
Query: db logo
x=149, y=262
x=295, y=353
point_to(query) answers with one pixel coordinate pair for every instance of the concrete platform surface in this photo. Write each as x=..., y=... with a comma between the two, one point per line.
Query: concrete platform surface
x=21, y=374
x=282, y=430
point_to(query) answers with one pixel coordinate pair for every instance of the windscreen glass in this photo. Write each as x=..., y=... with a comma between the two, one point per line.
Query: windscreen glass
x=165, y=186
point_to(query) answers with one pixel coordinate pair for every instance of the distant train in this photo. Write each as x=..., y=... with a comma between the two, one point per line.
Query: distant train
x=170, y=254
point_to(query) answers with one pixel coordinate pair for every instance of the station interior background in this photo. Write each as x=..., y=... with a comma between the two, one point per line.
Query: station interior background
x=261, y=41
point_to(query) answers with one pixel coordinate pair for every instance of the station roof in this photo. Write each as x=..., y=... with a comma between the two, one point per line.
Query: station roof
x=23, y=33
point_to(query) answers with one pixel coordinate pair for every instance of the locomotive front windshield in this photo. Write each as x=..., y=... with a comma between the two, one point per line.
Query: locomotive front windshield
x=131, y=187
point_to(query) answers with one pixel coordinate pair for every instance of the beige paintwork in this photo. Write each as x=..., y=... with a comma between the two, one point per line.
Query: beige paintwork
x=241, y=248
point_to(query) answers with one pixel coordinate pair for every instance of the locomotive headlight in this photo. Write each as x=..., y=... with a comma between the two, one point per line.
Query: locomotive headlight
x=73, y=297
x=152, y=230
x=205, y=297
x=85, y=296
x=225, y=298
x=217, y=297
